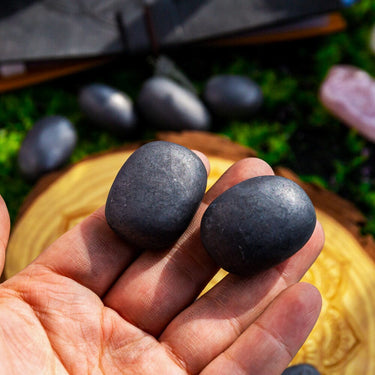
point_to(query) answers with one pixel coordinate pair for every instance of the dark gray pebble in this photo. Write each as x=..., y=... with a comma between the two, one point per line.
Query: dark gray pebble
x=47, y=146
x=165, y=67
x=232, y=97
x=257, y=224
x=156, y=194
x=166, y=105
x=303, y=369
x=108, y=108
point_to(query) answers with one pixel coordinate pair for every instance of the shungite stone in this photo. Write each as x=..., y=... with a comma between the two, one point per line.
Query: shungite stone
x=165, y=67
x=155, y=194
x=303, y=369
x=166, y=105
x=108, y=108
x=232, y=97
x=47, y=146
x=257, y=224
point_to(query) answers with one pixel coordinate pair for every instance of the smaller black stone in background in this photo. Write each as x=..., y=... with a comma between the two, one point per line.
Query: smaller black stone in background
x=257, y=224
x=165, y=67
x=108, y=108
x=303, y=369
x=232, y=97
x=46, y=147
x=165, y=105
x=156, y=194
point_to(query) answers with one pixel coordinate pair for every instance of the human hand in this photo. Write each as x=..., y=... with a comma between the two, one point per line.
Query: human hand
x=92, y=304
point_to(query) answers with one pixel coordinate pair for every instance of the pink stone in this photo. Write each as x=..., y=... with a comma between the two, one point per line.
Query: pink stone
x=349, y=94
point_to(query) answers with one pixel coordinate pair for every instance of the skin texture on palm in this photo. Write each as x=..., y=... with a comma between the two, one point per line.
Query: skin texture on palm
x=92, y=304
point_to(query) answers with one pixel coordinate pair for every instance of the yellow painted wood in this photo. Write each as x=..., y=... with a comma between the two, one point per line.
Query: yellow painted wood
x=343, y=340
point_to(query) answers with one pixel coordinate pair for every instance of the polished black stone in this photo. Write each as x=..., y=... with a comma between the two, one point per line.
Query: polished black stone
x=108, y=108
x=303, y=369
x=166, y=105
x=155, y=194
x=165, y=67
x=47, y=146
x=257, y=224
x=232, y=97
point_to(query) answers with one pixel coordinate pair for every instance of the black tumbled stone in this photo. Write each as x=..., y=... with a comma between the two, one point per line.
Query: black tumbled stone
x=166, y=105
x=257, y=224
x=155, y=194
x=47, y=146
x=303, y=369
x=232, y=97
x=108, y=108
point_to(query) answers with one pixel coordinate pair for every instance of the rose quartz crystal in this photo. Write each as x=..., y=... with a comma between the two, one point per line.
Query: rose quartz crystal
x=349, y=94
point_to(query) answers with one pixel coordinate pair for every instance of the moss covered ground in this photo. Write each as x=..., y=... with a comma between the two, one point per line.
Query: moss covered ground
x=292, y=129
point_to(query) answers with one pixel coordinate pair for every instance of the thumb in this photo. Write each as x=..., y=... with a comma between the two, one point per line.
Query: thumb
x=4, y=232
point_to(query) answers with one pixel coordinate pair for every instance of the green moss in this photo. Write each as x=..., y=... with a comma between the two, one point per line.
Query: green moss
x=269, y=140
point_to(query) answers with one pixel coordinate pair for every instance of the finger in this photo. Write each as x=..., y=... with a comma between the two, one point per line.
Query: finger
x=219, y=316
x=159, y=285
x=91, y=253
x=4, y=232
x=240, y=171
x=204, y=160
x=268, y=345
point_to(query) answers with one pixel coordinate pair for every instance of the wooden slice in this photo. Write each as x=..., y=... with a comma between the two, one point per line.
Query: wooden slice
x=343, y=340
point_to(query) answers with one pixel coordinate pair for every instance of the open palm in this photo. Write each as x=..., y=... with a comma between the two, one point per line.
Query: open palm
x=90, y=303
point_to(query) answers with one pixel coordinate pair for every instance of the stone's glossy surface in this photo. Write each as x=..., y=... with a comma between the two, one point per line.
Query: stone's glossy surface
x=108, y=108
x=232, y=96
x=349, y=94
x=47, y=146
x=166, y=105
x=155, y=194
x=303, y=369
x=257, y=224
